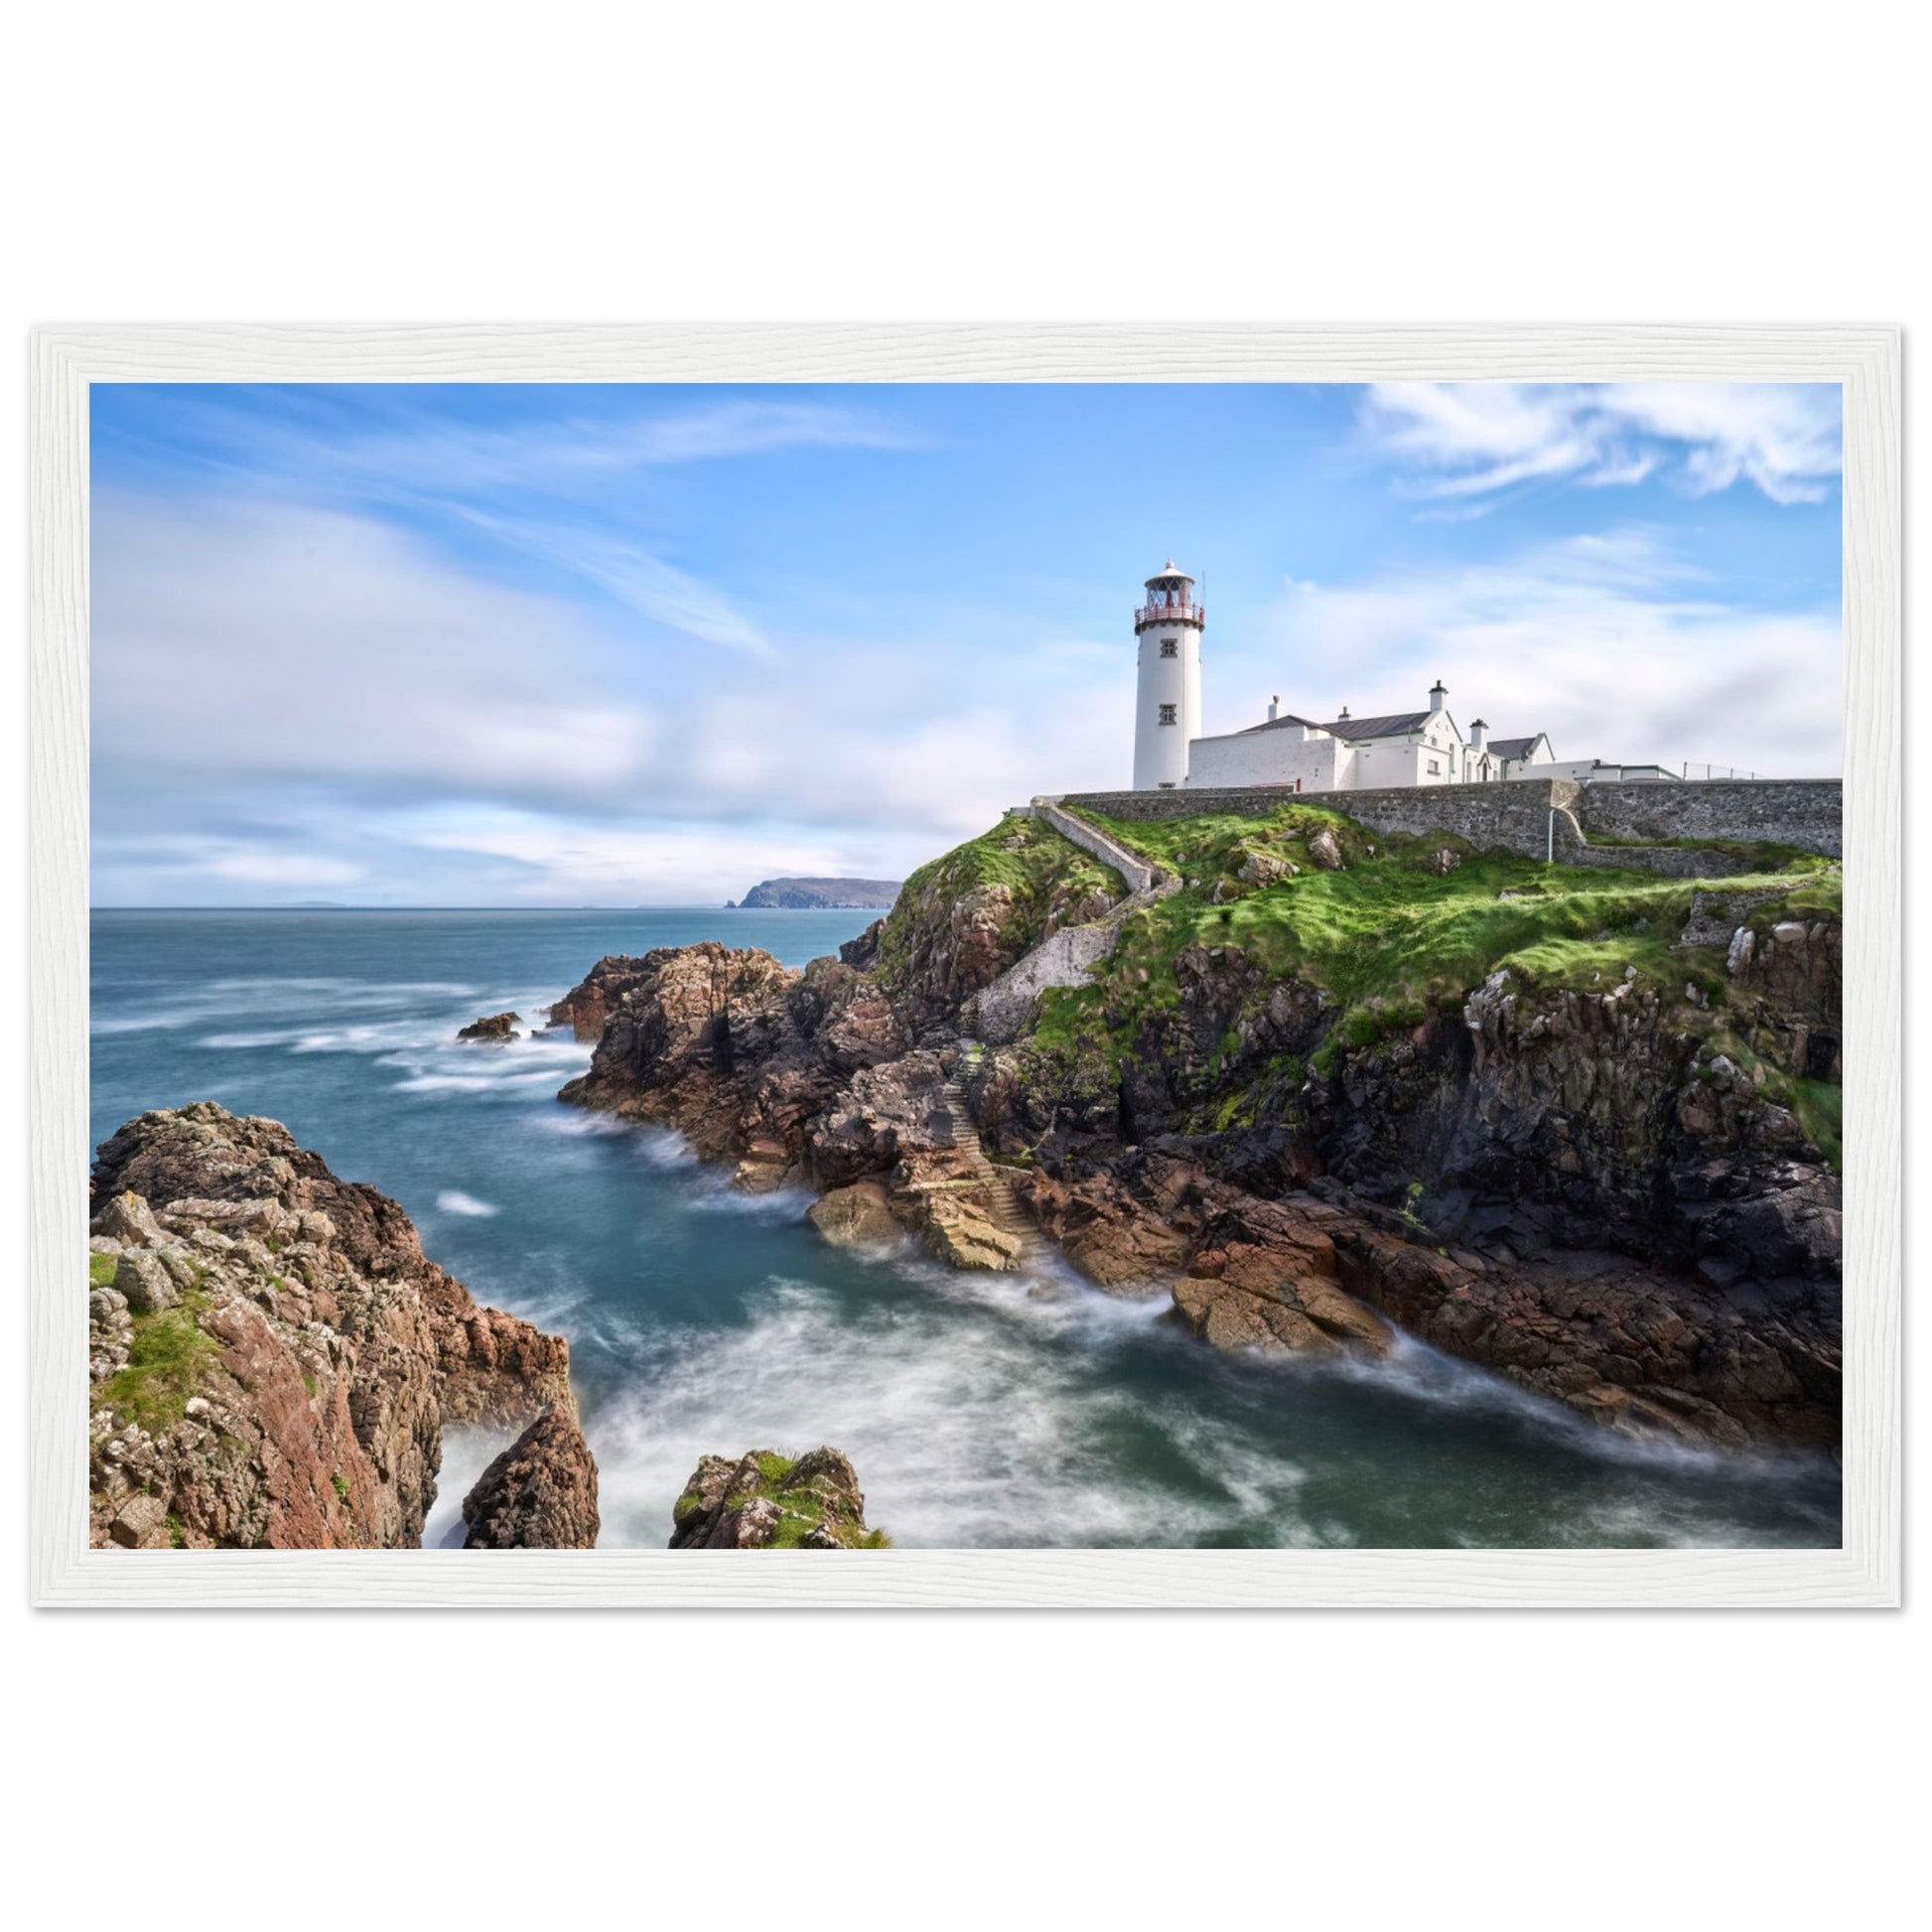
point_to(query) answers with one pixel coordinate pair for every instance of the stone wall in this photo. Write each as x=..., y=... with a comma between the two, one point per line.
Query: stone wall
x=1515, y=816
x=1805, y=812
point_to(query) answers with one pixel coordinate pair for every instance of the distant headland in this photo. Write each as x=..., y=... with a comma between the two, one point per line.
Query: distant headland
x=821, y=895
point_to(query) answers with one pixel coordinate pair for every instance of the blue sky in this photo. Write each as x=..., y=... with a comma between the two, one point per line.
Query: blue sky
x=561, y=646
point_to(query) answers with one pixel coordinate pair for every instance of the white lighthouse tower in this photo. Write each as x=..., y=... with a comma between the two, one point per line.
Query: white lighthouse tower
x=1167, y=717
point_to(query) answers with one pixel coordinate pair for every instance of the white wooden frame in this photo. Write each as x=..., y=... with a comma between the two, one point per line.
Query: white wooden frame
x=1864, y=1571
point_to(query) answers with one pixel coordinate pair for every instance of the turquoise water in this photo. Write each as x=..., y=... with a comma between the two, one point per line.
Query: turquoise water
x=978, y=1410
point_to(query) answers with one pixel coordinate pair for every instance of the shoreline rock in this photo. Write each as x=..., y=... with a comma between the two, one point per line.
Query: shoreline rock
x=281, y=1371
x=492, y=1027
x=768, y=1501
x=539, y=1495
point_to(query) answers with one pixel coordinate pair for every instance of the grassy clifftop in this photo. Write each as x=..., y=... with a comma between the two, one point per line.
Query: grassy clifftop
x=1389, y=928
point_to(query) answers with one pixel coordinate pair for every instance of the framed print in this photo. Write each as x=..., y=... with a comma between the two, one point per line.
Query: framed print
x=955, y=965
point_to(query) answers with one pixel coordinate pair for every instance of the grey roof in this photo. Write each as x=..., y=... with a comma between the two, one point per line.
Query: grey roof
x=1398, y=725
x=1512, y=747
x=1173, y=571
x=1276, y=724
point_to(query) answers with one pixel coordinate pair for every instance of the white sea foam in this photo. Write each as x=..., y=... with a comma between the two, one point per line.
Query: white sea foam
x=453, y=1201
x=664, y=1148
x=540, y=1079
x=580, y=1123
x=467, y=1453
x=1415, y=1370
x=963, y=1432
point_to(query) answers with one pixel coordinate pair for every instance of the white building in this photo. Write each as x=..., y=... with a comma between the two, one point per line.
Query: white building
x=1405, y=747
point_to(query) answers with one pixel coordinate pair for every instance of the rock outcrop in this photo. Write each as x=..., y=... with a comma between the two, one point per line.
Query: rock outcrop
x=766, y=1501
x=539, y=1495
x=1615, y=1191
x=272, y=1356
x=588, y=1004
x=492, y=1025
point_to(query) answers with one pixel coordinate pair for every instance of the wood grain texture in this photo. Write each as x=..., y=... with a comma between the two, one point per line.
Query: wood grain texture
x=1864, y=1571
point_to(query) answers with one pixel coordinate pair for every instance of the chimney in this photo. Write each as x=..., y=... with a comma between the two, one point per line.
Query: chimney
x=1344, y=712
x=1438, y=695
x=1478, y=737
x=1274, y=707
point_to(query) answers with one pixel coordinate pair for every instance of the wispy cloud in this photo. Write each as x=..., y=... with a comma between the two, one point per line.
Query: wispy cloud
x=1613, y=645
x=558, y=489
x=634, y=578
x=421, y=450
x=1474, y=441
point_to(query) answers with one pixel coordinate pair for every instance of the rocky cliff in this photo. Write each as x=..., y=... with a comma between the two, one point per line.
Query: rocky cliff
x=273, y=1358
x=1580, y=1127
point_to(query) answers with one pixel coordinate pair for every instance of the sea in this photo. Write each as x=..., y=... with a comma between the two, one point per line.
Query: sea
x=978, y=1410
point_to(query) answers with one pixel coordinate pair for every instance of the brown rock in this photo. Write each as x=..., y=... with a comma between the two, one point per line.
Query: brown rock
x=539, y=1495
x=856, y=1216
x=1265, y=1277
x=142, y=1523
x=495, y=1026
x=128, y=1219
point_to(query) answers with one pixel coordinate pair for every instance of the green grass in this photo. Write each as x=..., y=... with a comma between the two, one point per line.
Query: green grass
x=100, y=1269
x=1214, y=842
x=167, y=1357
x=802, y=1511
x=1820, y=1108
x=1820, y=896
x=1024, y=854
x=1386, y=937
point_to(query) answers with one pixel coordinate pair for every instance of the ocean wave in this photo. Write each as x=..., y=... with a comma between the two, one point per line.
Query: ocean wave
x=665, y=1150
x=581, y=1123
x=509, y=1083
x=963, y=1434
x=1415, y=1371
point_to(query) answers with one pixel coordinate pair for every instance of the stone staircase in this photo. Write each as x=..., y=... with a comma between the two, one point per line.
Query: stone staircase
x=1004, y=1208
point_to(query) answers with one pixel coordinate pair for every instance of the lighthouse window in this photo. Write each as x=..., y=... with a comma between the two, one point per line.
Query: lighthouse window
x=1169, y=648
x=1169, y=714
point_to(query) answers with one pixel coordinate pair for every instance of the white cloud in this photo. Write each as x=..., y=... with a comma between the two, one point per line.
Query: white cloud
x=302, y=647
x=408, y=448
x=1604, y=643
x=1472, y=440
x=291, y=702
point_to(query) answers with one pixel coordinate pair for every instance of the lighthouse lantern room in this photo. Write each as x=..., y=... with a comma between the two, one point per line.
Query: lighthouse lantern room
x=1168, y=718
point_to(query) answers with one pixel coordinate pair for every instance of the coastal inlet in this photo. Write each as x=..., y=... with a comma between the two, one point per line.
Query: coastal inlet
x=1016, y=1407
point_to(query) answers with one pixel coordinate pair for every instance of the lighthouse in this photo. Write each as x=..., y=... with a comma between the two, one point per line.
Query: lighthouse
x=1168, y=701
